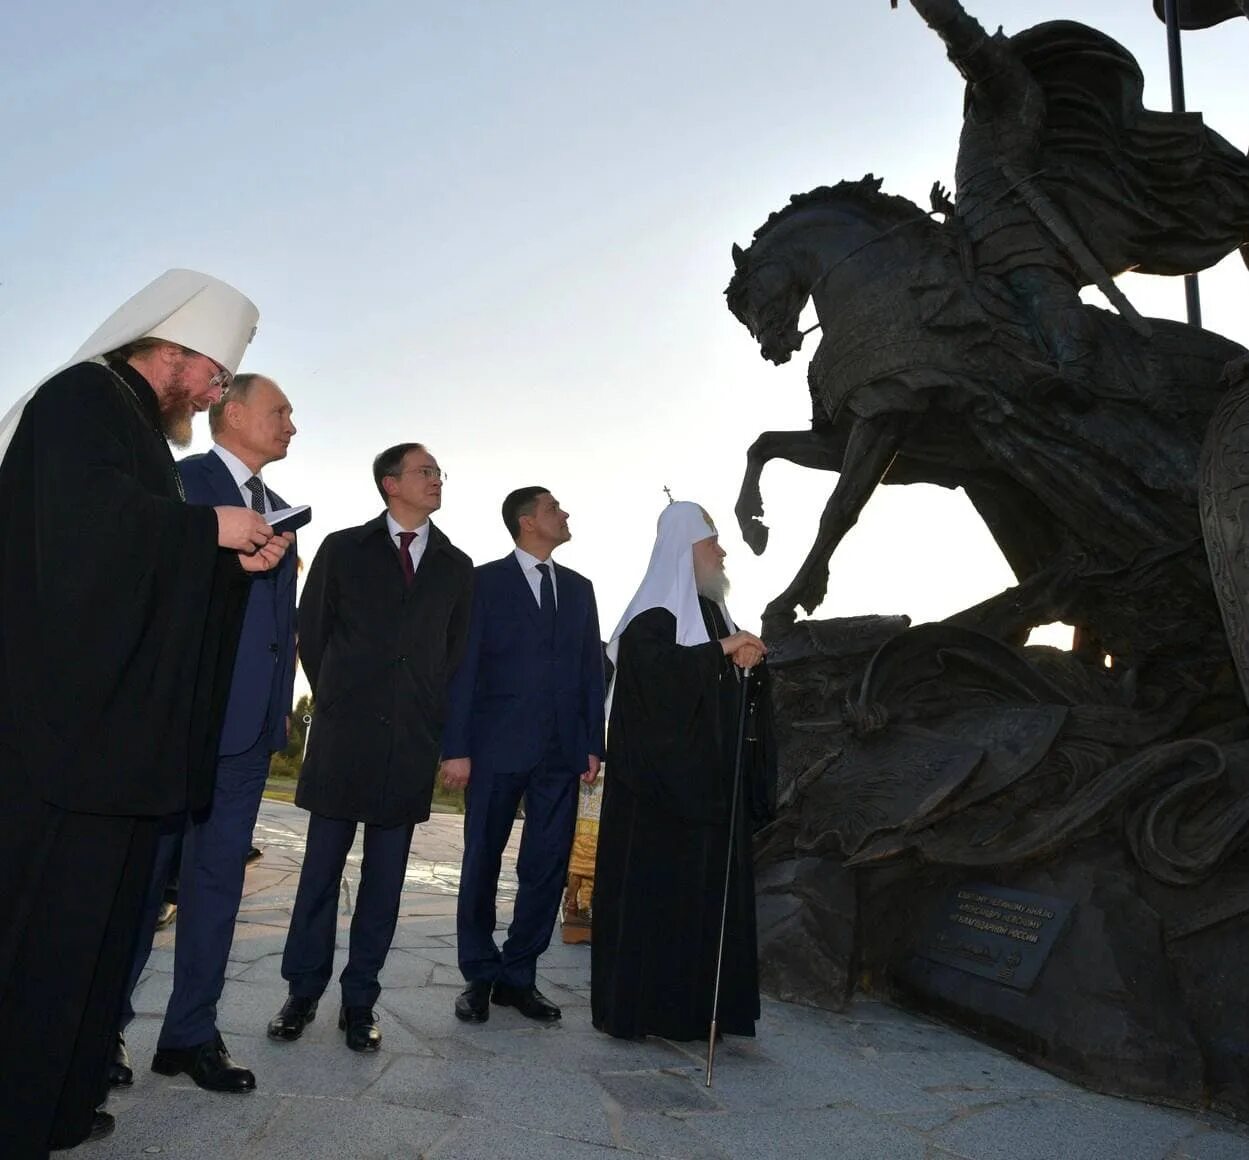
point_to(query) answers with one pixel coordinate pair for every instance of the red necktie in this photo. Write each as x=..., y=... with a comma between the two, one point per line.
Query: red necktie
x=405, y=556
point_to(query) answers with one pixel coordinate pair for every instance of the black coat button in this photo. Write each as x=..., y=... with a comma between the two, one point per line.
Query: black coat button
x=383, y=718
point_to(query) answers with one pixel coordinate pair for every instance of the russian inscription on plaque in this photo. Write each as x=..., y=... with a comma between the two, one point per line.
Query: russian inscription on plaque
x=995, y=932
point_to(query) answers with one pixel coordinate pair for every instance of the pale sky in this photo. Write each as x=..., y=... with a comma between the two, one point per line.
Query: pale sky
x=503, y=229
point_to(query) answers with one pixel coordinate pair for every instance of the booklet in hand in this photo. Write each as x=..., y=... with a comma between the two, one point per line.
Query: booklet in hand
x=288, y=519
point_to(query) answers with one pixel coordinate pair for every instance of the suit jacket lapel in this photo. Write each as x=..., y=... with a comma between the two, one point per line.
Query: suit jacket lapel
x=567, y=601
x=222, y=481
x=425, y=564
x=381, y=555
x=285, y=574
x=521, y=592
x=228, y=492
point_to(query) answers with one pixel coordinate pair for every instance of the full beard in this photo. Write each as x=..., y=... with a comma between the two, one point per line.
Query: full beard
x=176, y=412
x=714, y=587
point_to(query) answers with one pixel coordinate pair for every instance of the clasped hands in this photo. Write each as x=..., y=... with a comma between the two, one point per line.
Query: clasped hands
x=744, y=649
x=259, y=547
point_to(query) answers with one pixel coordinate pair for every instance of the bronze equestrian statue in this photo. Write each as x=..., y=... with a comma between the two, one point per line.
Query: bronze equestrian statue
x=960, y=353
x=1107, y=454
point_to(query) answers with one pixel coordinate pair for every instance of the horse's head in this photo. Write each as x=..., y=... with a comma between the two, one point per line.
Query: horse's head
x=800, y=246
x=767, y=299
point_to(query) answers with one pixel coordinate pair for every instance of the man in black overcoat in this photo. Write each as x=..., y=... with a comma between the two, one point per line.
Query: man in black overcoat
x=382, y=624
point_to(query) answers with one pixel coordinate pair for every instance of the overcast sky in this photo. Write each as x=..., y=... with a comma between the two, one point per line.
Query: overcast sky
x=503, y=229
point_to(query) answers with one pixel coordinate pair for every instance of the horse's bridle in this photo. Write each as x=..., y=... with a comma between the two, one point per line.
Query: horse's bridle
x=858, y=250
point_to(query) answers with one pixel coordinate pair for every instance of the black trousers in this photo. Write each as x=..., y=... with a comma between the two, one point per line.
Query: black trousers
x=308, y=959
x=70, y=909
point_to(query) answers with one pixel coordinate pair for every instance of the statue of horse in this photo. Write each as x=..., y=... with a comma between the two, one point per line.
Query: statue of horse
x=928, y=371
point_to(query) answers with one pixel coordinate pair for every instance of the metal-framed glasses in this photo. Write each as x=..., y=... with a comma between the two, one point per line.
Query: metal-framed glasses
x=428, y=472
x=223, y=378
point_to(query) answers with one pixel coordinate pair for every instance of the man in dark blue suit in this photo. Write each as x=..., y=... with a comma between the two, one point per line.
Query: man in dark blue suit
x=525, y=719
x=251, y=427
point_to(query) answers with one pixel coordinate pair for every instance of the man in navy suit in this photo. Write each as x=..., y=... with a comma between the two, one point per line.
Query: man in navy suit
x=525, y=720
x=251, y=428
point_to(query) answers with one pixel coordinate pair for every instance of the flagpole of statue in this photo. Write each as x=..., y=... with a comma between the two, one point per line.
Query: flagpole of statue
x=1196, y=15
x=1175, y=61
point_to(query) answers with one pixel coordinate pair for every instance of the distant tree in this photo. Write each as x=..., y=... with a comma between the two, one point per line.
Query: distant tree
x=287, y=762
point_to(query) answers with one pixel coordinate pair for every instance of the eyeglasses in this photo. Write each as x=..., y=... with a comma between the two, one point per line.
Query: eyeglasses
x=223, y=378
x=428, y=472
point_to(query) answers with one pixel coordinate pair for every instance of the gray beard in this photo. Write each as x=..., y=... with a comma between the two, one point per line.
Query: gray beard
x=715, y=588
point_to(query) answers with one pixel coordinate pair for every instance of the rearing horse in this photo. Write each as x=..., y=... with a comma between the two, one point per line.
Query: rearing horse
x=927, y=372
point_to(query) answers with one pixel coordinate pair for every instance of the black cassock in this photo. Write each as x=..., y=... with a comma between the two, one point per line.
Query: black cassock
x=119, y=618
x=663, y=837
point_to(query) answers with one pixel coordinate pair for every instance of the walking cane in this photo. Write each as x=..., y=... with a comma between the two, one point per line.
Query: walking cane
x=728, y=869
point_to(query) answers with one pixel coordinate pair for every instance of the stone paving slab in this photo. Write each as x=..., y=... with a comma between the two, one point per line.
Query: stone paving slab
x=873, y=1084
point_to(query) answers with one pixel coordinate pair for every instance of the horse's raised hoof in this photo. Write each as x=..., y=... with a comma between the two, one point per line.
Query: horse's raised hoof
x=755, y=533
x=810, y=601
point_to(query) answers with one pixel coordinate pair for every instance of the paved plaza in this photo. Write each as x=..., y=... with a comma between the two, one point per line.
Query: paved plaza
x=874, y=1084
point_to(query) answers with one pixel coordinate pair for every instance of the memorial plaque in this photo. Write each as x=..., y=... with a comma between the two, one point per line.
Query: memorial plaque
x=995, y=932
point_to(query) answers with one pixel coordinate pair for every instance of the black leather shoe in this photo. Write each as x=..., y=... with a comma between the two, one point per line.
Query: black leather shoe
x=102, y=1124
x=209, y=1065
x=360, y=1023
x=252, y=854
x=473, y=1003
x=529, y=1001
x=296, y=1014
x=120, y=1073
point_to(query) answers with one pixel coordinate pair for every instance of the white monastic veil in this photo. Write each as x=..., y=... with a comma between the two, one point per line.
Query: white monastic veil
x=181, y=306
x=669, y=580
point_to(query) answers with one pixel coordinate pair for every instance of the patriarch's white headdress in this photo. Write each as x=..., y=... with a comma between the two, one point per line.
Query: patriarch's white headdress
x=669, y=580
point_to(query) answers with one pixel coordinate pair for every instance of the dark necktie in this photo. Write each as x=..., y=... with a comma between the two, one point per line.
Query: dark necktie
x=258, y=493
x=546, y=600
x=405, y=556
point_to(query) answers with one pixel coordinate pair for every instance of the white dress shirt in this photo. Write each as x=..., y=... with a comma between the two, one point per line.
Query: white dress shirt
x=529, y=566
x=241, y=474
x=416, y=549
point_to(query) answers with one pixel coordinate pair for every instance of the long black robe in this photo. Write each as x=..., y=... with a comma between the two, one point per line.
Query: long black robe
x=663, y=837
x=119, y=617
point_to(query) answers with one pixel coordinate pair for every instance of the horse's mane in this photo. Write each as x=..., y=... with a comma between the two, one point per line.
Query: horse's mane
x=865, y=192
